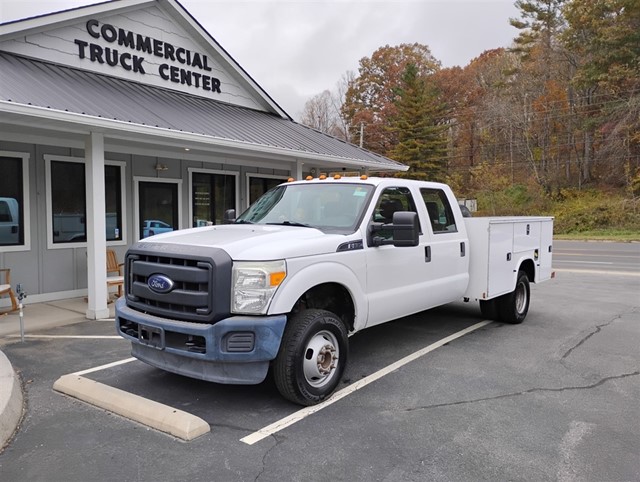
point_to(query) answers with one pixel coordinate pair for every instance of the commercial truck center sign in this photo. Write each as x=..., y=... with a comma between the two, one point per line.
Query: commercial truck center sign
x=192, y=74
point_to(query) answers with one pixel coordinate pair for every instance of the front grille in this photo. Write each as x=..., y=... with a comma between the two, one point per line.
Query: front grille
x=194, y=295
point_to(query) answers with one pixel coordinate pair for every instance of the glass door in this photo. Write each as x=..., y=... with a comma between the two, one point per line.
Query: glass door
x=212, y=195
x=158, y=204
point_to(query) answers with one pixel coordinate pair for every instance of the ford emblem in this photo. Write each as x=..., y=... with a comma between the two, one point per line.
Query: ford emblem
x=160, y=283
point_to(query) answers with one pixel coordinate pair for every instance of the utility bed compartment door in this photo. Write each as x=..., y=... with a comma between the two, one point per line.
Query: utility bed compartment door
x=500, y=269
x=526, y=236
x=546, y=248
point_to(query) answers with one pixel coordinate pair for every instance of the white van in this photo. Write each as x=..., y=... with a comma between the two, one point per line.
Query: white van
x=9, y=221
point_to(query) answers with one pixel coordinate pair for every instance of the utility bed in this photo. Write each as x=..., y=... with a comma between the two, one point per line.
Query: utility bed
x=497, y=247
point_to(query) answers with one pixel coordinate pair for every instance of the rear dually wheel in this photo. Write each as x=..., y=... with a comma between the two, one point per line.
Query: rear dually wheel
x=513, y=307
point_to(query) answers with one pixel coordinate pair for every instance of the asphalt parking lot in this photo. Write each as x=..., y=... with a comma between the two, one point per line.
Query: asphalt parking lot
x=555, y=398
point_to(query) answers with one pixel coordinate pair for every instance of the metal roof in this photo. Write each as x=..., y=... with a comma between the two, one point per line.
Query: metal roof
x=29, y=82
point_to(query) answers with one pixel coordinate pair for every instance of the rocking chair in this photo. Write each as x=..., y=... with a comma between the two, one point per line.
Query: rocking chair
x=6, y=289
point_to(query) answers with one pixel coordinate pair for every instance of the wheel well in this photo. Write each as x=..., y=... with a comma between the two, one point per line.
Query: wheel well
x=528, y=267
x=332, y=297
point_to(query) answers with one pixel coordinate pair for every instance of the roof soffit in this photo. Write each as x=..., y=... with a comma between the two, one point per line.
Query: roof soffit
x=34, y=118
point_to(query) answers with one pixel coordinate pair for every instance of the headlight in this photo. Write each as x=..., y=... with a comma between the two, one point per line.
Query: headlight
x=254, y=284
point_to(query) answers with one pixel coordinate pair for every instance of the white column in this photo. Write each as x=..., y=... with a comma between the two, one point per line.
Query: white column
x=96, y=228
x=298, y=170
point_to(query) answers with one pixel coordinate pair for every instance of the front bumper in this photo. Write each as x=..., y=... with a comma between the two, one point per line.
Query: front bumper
x=235, y=350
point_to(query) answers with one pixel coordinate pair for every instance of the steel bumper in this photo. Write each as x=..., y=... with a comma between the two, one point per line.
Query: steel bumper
x=234, y=350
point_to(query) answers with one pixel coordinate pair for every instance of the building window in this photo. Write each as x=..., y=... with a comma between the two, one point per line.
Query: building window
x=113, y=201
x=14, y=212
x=158, y=207
x=212, y=195
x=258, y=185
x=68, y=201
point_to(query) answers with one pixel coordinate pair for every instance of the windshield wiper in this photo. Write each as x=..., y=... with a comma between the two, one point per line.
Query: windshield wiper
x=242, y=221
x=291, y=223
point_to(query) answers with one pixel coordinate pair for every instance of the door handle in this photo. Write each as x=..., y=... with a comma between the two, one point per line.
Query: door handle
x=427, y=254
x=463, y=249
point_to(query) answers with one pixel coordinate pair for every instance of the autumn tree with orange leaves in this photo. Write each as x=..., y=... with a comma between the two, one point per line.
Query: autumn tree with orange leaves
x=560, y=109
x=370, y=98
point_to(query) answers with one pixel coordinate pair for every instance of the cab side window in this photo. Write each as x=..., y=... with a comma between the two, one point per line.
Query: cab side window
x=392, y=199
x=439, y=211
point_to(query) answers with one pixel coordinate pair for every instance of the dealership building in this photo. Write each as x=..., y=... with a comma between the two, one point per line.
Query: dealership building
x=124, y=119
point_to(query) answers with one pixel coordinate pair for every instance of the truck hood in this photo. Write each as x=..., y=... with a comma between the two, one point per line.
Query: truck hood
x=255, y=242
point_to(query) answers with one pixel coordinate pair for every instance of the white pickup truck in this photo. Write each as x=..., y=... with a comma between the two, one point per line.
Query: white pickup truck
x=312, y=261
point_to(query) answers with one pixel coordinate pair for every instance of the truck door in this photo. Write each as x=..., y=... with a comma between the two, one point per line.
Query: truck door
x=449, y=247
x=398, y=278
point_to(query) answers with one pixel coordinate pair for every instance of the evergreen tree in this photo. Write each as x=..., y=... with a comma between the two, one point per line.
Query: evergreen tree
x=369, y=100
x=419, y=127
x=540, y=23
x=606, y=34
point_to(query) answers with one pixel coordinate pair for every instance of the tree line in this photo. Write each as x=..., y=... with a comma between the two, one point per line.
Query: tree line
x=559, y=108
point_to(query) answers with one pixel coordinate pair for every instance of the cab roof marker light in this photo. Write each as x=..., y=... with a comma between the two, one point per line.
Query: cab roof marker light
x=308, y=178
x=364, y=177
x=290, y=179
x=337, y=176
x=322, y=177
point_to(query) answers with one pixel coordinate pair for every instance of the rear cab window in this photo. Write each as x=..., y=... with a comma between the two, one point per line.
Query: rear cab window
x=439, y=211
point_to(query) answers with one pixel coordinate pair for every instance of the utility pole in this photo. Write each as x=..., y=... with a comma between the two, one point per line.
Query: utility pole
x=511, y=150
x=361, y=133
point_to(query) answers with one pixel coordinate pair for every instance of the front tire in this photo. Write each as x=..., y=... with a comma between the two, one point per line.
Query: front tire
x=513, y=307
x=312, y=357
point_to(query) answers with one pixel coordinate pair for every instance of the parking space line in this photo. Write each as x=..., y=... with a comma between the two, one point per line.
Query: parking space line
x=305, y=412
x=104, y=367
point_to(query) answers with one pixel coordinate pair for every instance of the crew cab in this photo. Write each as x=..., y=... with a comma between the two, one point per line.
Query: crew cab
x=283, y=285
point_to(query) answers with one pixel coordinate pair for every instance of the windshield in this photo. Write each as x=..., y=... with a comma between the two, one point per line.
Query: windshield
x=330, y=207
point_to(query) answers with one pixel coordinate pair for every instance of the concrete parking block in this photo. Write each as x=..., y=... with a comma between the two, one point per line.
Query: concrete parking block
x=11, y=400
x=156, y=415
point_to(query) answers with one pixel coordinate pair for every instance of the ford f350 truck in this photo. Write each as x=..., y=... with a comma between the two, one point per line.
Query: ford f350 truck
x=282, y=286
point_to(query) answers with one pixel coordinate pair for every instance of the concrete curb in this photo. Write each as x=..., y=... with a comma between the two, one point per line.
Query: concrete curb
x=147, y=412
x=11, y=400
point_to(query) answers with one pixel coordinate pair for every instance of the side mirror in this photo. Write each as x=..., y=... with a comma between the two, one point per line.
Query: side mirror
x=229, y=216
x=405, y=228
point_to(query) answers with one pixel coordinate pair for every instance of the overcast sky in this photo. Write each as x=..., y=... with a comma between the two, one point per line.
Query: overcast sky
x=296, y=49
